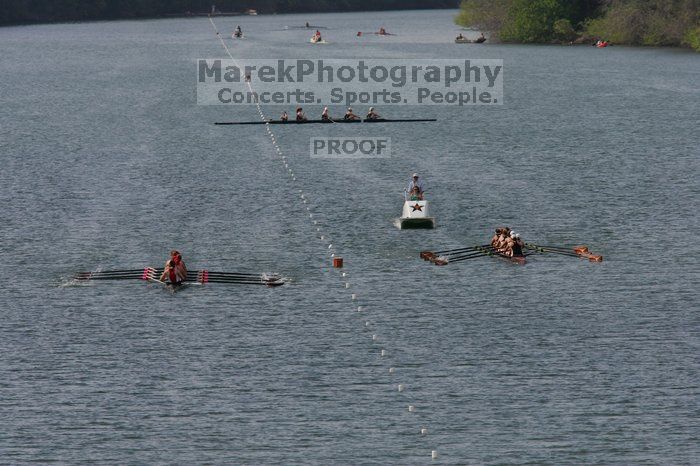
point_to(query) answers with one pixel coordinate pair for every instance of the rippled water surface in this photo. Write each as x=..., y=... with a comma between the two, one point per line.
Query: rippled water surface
x=107, y=162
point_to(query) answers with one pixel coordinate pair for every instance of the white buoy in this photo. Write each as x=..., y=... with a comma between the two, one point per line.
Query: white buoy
x=333, y=255
x=383, y=352
x=411, y=408
x=347, y=285
x=330, y=246
x=367, y=323
x=359, y=308
x=344, y=274
x=434, y=454
x=424, y=431
x=391, y=370
x=375, y=337
x=322, y=237
x=400, y=387
x=353, y=296
x=311, y=215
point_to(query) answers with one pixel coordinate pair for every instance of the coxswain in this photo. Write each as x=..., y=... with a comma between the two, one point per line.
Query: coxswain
x=372, y=115
x=481, y=39
x=284, y=116
x=460, y=36
x=518, y=246
x=324, y=114
x=300, y=114
x=350, y=116
x=180, y=269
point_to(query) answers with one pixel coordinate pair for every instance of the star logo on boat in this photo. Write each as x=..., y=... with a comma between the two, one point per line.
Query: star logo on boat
x=417, y=207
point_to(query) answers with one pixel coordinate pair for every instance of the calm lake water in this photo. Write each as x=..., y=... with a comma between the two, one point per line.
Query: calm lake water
x=107, y=162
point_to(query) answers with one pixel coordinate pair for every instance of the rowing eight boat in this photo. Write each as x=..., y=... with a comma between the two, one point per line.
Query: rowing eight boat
x=308, y=122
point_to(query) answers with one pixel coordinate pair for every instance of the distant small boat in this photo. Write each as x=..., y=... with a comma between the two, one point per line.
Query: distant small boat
x=464, y=40
x=305, y=27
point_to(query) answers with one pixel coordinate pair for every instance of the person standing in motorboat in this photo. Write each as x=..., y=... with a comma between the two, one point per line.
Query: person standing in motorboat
x=416, y=182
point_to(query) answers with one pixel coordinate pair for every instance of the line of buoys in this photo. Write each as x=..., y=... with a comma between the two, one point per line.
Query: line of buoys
x=323, y=236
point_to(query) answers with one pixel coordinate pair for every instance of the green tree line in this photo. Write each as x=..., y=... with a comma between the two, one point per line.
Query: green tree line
x=633, y=22
x=35, y=11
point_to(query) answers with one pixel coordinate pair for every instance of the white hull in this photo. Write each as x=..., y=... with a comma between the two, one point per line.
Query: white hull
x=415, y=223
x=415, y=215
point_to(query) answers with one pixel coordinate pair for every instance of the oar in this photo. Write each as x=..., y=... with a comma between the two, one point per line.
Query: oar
x=444, y=260
x=222, y=274
x=112, y=277
x=426, y=255
x=449, y=260
x=447, y=251
x=103, y=272
x=557, y=248
x=463, y=258
x=561, y=251
x=577, y=251
x=246, y=282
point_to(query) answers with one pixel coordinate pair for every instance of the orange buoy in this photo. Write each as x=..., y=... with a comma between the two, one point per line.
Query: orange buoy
x=338, y=262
